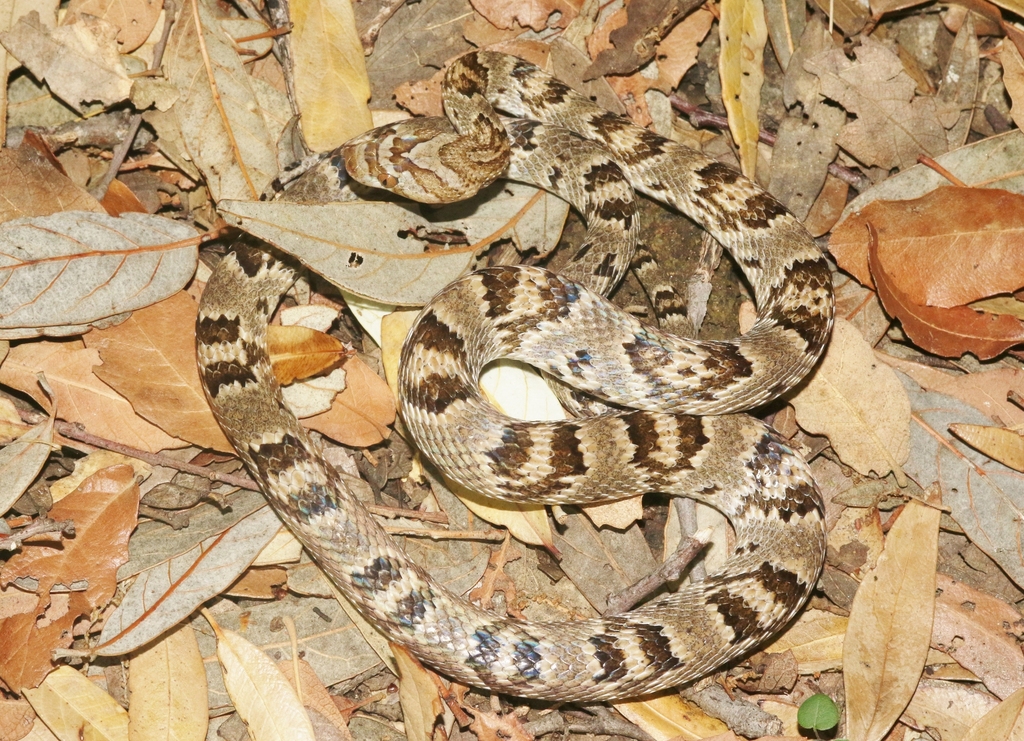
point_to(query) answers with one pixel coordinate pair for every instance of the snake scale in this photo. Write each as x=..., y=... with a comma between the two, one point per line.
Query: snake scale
x=648, y=439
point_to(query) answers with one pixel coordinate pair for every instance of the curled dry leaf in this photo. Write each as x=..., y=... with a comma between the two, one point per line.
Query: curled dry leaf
x=890, y=625
x=77, y=267
x=167, y=682
x=300, y=352
x=944, y=249
x=264, y=699
x=79, y=62
x=998, y=443
x=858, y=403
x=22, y=460
x=945, y=332
x=76, y=708
x=743, y=33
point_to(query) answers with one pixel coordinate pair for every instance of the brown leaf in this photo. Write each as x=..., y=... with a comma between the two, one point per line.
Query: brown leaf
x=890, y=625
x=104, y=509
x=362, y=412
x=998, y=443
x=417, y=692
x=535, y=15
x=16, y=718
x=946, y=332
x=981, y=632
x=1003, y=723
x=134, y=19
x=945, y=249
x=300, y=352
x=119, y=199
x=150, y=360
x=986, y=391
x=42, y=189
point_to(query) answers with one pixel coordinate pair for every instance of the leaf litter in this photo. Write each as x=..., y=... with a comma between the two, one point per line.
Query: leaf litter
x=894, y=128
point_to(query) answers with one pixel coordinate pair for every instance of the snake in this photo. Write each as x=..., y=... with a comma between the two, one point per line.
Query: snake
x=670, y=417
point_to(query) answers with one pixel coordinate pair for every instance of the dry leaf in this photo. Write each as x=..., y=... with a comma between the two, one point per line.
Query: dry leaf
x=945, y=249
x=76, y=709
x=400, y=253
x=1004, y=722
x=816, y=641
x=998, y=443
x=230, y=144
x=331, y=85
x=890, y=625
x=301, y=352
x=314, y=695
x=79, y=62
x=893, y=127
x=42, y=188
x=743, y=34
x=134, y=19
x=535, y=15
x=79, y=395
x=62, y=272
x=981, y=632
x=164, y=595
x=22, y=460
x=167, y=682
x=150, y=361
x=670, y=717
x=947, y=709
x=362, y=412
x=418, y=694
x=16, y=719
x=262, y=696
x=858, y=403
x=946, y=332
x=1013, y=79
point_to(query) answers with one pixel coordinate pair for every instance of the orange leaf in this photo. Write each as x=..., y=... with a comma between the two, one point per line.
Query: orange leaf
x=104, y=509
x=946, y=332
x=150, y=359
x=301, y=352
x=362, y=412
x=945, y=249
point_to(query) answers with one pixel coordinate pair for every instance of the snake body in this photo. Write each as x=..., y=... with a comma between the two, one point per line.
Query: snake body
x=649, y=440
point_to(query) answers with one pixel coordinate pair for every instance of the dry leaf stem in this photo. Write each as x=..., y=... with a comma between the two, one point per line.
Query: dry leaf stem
x=122, y=149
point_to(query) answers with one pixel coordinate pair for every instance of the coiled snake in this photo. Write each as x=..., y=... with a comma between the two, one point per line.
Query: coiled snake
x=648, y=441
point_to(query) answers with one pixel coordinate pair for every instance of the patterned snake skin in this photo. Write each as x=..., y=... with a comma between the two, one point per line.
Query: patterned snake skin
x=649, y=441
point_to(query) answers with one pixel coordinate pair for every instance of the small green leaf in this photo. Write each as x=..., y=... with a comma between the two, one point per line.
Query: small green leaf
x=818, y=713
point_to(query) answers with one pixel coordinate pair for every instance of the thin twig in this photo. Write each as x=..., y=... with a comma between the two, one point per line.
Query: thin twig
x=369, y=36
x=699, y=117
x=671, y=570
x=37, y=526
x=121, y=152
x=412, y=532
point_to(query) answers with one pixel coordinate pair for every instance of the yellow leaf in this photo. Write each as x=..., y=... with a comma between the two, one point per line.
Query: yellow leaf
x=331, y=84
x=859, y=404
x=167, y=682
x=75, y=709
x=671, y=717
x=816, y=640
x=264, y=699
x=890, y=625
x=418, y=695
x=743, y=33
x=1004, y=722
x=998, y=443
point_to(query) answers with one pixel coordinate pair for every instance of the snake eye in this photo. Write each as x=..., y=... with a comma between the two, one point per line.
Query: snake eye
x=387, y=181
